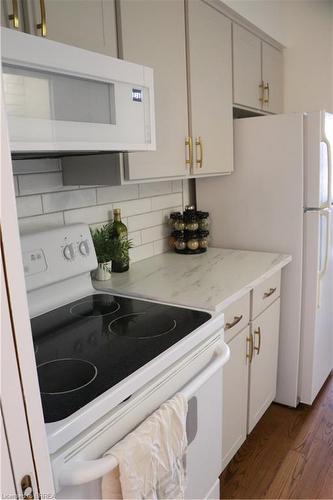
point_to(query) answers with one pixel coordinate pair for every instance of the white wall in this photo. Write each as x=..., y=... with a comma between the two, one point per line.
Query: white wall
x=308, y=57
x=305, y=27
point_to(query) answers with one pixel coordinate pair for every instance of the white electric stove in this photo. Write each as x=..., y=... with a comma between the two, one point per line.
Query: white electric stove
x=105, y=362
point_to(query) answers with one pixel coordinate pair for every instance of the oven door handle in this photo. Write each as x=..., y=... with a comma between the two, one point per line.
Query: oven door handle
x=83, y=471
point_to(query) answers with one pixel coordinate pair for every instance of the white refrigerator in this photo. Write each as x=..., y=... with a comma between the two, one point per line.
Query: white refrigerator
x=279, y=199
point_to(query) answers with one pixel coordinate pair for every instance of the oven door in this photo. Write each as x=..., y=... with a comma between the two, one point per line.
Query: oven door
x=78, y=468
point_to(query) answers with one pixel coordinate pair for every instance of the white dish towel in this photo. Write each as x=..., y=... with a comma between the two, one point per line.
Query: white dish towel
x=151, y=458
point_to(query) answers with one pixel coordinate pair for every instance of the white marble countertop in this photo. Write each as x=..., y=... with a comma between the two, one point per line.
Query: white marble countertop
x=209, y=281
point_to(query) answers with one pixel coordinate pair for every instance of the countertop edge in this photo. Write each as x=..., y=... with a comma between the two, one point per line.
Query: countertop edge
x=218, y=308
x=247, y=288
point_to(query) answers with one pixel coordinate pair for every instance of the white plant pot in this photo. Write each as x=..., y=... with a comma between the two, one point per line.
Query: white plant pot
x=103, y=272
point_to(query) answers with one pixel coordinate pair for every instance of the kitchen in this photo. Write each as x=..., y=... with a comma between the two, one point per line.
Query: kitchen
x=258, y=67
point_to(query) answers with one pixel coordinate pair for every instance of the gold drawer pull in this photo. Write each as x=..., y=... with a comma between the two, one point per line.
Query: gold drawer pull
x=250, y=342
x=268, y=294
x=258, y=332
x=198, y=142
x=42, y=25
x=15, y=15
x=266, y=91
x=233, y=323
x=261, y=91
x=189, y=145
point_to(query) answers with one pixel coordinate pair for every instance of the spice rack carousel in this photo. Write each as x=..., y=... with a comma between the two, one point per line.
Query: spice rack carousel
x=189, y=231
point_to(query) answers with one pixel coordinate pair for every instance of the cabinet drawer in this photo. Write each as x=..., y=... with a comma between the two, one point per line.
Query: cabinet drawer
x=236, y=317
x=266, y=293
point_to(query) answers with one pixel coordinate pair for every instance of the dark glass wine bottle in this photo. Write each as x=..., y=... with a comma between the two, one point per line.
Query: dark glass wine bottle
x=119, y=237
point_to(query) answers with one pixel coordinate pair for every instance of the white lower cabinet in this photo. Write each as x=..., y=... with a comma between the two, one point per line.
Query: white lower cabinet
x=263, y=370
x=235, y=393
x=249, y=377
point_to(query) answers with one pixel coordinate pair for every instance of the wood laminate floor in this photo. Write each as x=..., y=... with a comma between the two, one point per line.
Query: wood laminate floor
x=289, y=454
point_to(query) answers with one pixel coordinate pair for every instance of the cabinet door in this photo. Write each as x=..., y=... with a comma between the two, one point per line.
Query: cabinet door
x=86, y=24
x=272, y=75
x=153, y=34
x=235, y=395
x=246, y=67
x=12, y=14
x=210, y=78
x=263, y=370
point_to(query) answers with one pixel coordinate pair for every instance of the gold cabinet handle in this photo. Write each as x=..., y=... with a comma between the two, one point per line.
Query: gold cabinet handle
x=189, y=145
x=15, y=15
x=236, y=320
x=261, y=91
x=198, y=142
x=269, y=293
x=42, y=25
x=249, y=355
x=258, y=332
x=266, y=93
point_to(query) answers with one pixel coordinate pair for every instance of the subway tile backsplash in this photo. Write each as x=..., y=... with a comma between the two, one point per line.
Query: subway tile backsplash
x=43, y=202
x=65, y=200
x=29, y=205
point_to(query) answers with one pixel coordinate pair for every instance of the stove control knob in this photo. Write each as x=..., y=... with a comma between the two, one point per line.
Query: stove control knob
x=84, y=248
x=68, y=252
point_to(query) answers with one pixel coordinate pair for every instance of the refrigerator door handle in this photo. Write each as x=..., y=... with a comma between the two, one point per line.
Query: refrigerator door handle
x=329, y=170
x=321, y=273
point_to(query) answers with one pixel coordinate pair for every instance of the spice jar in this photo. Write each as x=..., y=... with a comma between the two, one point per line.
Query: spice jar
x=203, y=220
x=179, y=240
x=191, y=223
x=179, y=223
x=180, y=244
x=193, y=242
x=172, y=219
x=203, y=239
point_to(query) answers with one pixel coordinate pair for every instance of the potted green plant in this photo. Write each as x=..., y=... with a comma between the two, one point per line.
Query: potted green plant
x=101, y=239
x=111, y=252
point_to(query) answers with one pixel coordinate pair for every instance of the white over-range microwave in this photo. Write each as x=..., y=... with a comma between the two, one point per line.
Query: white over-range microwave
x=60, y=98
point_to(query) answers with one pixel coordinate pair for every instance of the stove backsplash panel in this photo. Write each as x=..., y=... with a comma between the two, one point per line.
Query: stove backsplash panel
x=44, y=202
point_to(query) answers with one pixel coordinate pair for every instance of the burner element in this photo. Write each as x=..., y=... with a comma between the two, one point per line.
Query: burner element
x=61, y=376
x=95, y=306
x=142, y=326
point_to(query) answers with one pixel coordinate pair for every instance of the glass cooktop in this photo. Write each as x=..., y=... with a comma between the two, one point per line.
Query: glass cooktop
x=85, y=347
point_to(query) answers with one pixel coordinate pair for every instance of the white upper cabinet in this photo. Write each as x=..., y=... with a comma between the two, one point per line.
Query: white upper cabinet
x=257, y=72
x=147, y=38
x=153, y=33
x=88, y=24
x=247, y=67
x=210, y=89
x=272, y=75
